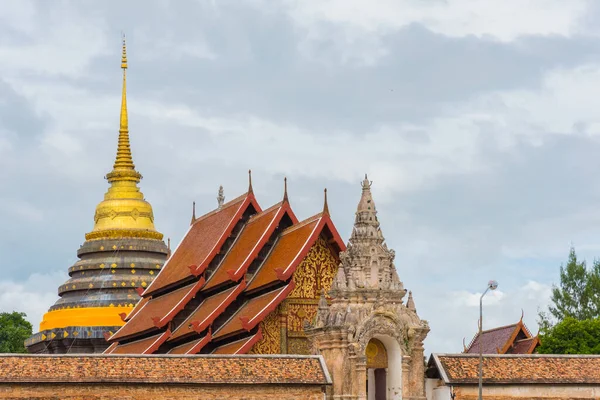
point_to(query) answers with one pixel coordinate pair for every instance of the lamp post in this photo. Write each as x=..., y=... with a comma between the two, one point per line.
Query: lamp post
x=492, y=285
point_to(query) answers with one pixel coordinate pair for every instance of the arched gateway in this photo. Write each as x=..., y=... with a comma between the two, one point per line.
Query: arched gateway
x=372, y=342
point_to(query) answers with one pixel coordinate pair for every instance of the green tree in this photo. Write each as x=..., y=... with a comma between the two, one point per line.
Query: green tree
x=577, y=296
x=572, y=336
x=14, y=329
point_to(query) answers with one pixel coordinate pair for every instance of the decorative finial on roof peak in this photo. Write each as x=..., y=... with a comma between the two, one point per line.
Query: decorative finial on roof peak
x=366, y=184
x=464, y=346
x=325, y=205
x=285, y=194
x=522, y=315
x=250, y=190
x=410, y=303
x=220, y=197
x=193, y=212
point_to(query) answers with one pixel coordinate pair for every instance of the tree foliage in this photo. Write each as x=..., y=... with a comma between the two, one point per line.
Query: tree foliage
x=577, y=296
x=14, y=329
x=572, y=336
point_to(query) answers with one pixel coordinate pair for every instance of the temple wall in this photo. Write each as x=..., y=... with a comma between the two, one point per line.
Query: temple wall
x=438, y=391
x=81, y=391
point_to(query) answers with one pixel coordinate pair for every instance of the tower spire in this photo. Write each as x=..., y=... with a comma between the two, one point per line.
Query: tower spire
x=123, y=168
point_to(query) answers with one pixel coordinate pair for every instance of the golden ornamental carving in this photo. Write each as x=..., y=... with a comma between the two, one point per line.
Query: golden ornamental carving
x=123, y=233
x=298, y=346
x=298, y=314
x=315, y=272
x=271, y=340
x=376, y=354
x=112, y=214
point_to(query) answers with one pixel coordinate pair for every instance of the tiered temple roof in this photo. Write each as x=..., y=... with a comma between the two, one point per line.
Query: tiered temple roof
x=509, y=339
x=123, y=252
x=234, y=267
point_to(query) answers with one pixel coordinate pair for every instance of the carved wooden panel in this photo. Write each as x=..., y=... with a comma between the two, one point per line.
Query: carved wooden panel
x=315, y=272
x=271, y=340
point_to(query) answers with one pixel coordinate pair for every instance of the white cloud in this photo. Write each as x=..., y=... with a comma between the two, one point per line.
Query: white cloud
x=504, y=20
x=33, y=296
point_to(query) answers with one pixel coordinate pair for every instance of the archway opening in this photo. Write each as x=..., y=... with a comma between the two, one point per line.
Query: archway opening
x=377, y=364
x=384, y=368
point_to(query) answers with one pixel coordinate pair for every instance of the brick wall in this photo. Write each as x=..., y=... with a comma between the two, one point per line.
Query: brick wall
x=78, y=391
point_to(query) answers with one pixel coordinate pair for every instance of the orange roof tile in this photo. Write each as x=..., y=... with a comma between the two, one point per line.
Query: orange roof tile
x=287, y=253
x=144, y=346
x=240, y=346
x=254, y=311
x=207, y=311
x=202, y=241
x=517, y=369
x=247, y=246
x=138, y=306
x=156, y=313
x=192, y=347
x=163, y=369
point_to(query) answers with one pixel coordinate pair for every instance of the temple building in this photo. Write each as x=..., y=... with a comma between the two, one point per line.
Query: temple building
x=122, y=253
x=509, y=339
x=242, y=280
x=371, y=341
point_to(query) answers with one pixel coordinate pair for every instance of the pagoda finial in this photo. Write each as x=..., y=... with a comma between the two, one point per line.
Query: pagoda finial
x=220, y=197
x=285, y=195
x=325, y=205
x=193, y=212
x=250, y=190
x=123, y=168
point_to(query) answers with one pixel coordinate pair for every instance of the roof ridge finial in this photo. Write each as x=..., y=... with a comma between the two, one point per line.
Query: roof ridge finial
x=325, y=205
x=285, y=194
x=193, y=212
x=522, y=315
x=464, y=346
x=123, y=168
x=220, y=197
x=250, y=189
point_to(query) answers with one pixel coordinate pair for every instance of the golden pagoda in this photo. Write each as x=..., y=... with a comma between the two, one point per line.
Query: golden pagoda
x=120, y=256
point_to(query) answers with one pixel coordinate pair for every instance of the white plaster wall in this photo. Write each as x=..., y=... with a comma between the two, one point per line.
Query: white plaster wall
x=394, y=370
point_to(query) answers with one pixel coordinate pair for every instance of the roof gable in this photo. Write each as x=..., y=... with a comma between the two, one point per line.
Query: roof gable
x=201, y=243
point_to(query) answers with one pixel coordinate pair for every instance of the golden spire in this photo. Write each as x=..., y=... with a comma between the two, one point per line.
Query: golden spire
x=124, y=211
x=123, y=168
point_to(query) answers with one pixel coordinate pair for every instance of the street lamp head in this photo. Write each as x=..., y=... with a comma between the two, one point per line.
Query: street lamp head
x=493, y=284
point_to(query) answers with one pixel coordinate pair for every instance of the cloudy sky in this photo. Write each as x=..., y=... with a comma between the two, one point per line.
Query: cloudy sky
x=477, y=120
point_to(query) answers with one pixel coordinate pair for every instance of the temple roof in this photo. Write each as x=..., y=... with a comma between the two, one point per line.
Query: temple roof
x=508, y=339
x=164, y=369
x=513, y=369
x=243, y=272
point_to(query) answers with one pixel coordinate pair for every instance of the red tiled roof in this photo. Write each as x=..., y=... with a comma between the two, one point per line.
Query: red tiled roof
x=239, y=346
x=144, y=346
x=156, y=313
x=202, y=241
x=291, y=248
x=192, y=347
x=248, y=244
x=163, y=369
x=254, y=311
x=492, y=340
x=243, y=309
x=524, y=346
x=207, y=311
x=518, y=369
x=138, y=306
